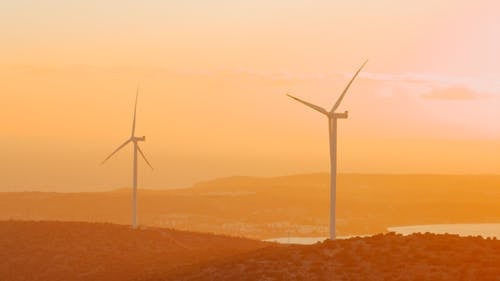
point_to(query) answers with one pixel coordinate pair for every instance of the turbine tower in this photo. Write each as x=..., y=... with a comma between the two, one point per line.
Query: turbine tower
x=135, y=141
x=332, y=127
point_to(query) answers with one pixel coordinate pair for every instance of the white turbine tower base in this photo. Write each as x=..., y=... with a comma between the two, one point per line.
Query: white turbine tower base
x=135, y=140
x=332, y=128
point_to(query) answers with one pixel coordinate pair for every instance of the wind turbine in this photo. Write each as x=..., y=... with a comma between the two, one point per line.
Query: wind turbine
x=332, y=127
x=135, y=141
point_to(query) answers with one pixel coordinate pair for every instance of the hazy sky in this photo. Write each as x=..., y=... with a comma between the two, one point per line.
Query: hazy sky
x=213, y=80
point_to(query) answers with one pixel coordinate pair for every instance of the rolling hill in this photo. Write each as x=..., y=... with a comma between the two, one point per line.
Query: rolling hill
x=50, y=251
x=380, y=257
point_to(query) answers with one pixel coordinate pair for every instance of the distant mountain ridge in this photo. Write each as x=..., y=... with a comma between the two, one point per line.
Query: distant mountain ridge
x=295, y=205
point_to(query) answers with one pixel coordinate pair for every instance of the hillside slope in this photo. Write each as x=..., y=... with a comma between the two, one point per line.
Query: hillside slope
x=381, y=257
x=51, y=251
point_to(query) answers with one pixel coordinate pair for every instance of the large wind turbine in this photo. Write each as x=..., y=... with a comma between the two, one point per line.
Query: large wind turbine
x=332, y=127
x=134, y=140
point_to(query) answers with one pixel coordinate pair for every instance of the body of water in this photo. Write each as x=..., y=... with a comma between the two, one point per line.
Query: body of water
x=306, y=240
x=297, y=240
x=478, y=229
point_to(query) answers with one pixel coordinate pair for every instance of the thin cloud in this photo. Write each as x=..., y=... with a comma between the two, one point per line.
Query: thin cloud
x=453, y=93
x=282, y=75
x=440, y=86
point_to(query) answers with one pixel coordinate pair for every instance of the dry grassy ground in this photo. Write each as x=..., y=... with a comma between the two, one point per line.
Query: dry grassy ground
x=52, y=251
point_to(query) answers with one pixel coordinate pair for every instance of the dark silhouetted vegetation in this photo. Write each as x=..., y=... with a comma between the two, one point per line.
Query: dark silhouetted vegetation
x=381, y=257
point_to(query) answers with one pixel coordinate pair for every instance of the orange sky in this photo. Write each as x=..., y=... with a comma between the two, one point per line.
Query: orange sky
x=214, y=77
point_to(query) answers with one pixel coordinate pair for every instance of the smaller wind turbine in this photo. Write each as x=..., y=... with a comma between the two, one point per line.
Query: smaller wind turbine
x=332, y=127
x=134, y=140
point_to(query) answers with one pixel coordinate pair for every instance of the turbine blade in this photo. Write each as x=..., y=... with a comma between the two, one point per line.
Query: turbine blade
x=144, y=156
x=116, y=150
x=315, y=107
x=337, y=104
x=135, y=111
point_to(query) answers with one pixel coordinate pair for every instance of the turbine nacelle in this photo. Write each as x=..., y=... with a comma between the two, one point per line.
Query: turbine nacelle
x=136, y=139
x=343, y=115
